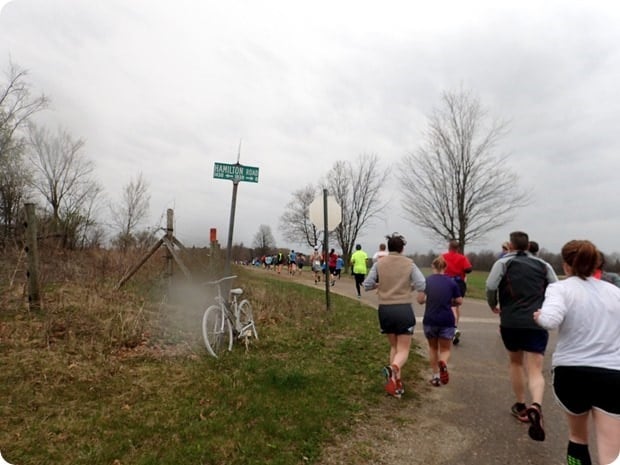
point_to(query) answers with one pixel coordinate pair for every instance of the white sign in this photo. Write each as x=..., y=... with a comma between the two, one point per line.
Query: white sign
x=317, y=215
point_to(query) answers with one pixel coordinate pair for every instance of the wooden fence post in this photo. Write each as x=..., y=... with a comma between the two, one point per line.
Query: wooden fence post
x=169, y=238
x=32, y=251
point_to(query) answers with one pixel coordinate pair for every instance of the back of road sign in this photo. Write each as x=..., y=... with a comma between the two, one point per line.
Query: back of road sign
x=316, y=213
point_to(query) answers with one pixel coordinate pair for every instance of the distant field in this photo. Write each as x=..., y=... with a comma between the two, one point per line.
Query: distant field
x=476, y=282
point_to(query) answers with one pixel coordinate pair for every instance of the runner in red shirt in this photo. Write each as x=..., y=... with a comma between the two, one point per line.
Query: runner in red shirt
x=457, y=267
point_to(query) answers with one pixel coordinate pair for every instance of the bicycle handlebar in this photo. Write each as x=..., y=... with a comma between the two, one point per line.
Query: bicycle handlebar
x=226, y=278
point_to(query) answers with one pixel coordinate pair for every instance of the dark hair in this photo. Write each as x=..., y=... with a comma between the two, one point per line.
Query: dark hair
x=533, y=247
x=519, y=240
x=454, y=245
x=395, y=242
x=358, y=247
x=582, y=256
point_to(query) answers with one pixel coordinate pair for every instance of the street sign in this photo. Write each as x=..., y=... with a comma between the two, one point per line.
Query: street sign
x=316, y=213
x=235, y=172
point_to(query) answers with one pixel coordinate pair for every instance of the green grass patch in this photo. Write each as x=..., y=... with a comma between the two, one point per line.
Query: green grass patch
x=68, y=400
x=476, y=284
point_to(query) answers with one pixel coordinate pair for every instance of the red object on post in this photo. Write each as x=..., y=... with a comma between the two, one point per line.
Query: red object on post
x=213, y=235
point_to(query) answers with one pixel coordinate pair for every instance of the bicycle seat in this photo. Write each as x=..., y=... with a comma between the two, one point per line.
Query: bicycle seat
x=236, y=291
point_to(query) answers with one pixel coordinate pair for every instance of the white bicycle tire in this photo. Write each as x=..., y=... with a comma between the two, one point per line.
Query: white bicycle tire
x=246, y=316
x=217, y=334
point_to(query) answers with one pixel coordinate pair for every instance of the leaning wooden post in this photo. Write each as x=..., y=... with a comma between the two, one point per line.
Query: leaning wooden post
x=32, y=251
x=170, y=239
x=136, y=267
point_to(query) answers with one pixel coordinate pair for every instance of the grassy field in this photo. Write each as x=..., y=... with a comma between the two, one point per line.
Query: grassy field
x=476, y=281
x=118, y=377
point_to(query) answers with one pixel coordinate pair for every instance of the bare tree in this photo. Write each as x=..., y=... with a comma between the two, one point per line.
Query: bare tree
x=133, y=209
x=78, y=219
x=263, y=240
x=15, y=179
x=17, y=105
x=64, y=177
x=357, y=189
x=454, y=186
x=295, y=222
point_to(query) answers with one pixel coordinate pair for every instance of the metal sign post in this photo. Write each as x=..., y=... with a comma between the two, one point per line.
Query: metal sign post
x=236, y=173
x=327, y=211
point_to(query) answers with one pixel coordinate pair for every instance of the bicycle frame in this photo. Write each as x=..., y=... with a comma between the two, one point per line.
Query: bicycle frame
x=222, y=322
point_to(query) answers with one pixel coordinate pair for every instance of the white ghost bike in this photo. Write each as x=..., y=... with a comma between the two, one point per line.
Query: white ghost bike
x=227, y=321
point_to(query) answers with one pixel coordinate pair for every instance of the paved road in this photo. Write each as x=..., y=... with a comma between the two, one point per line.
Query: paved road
x=468, y=420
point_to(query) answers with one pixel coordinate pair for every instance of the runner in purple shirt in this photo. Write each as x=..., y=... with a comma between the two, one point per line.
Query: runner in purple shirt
x=441, y=294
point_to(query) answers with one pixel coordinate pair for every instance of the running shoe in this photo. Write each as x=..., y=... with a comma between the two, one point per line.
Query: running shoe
x=391, y=385
x=444, y=376
x=536, y=431
x=457, y=337
x=435, y=382
x=391, y=388
x=519, y=411
x=400, y=389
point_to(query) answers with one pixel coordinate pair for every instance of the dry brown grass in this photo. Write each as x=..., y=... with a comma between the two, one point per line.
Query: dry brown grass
x=81, y=308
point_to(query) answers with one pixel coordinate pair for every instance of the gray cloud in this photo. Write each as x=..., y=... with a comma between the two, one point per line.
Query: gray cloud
x=170, y=88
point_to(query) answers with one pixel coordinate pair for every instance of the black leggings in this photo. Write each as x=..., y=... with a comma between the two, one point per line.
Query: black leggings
x=359, y=279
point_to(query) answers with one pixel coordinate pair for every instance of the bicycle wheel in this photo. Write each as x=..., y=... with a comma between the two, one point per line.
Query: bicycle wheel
x=216, y=331
x=246, y=319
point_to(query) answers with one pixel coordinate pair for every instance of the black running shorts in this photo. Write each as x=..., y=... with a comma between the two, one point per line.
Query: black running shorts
x=396, y=319
x=526, y=339
x=580, y=389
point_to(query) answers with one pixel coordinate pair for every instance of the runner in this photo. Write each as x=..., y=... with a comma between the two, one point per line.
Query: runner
x=586, y=361
x=394, y=277
x=517, y=282
x=316, y=262
x=359, y=265
x=457, y=267
x=440, y=295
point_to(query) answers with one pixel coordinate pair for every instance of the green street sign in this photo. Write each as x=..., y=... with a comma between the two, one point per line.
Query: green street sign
x=235, y=172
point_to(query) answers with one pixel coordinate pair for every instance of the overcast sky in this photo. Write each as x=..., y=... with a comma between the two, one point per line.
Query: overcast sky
x=168, y=88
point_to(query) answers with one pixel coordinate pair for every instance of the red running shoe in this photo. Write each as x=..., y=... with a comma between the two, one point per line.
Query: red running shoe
x=392, y=389
x=443, y=372
x=400, y=389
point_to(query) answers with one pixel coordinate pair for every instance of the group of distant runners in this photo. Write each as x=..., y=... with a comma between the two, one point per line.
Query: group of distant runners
x=293, y=262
